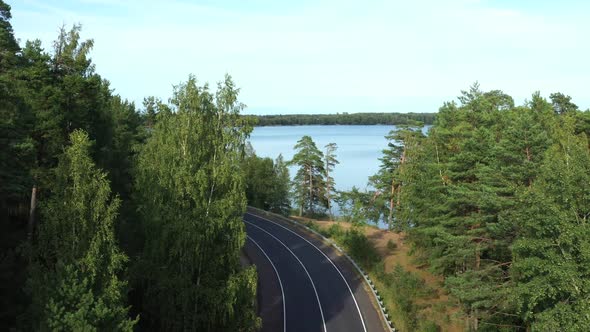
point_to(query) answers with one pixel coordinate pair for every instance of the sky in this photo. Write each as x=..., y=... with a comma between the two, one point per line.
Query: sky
x=328, y=56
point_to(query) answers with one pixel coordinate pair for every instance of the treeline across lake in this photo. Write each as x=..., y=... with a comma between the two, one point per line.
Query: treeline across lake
x=345, y=119
x=495, y=199
x=112, y=218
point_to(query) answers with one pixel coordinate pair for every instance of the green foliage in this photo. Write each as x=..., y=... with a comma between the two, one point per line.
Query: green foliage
x=281, y=192
x=475, y=199
x=391, y=245
x=330, y=162
x=191, y=198
x=401, y=287
x=309, y=182
x=551, y=265
x=267, y=183
x=74, y=277
x=8, y=45
x=346, y=119
x=562, y=104
x=358, y=207
x=16, y=119
x=335, y=230
x=360, y=248
x=429, y=326
x=75, y=269
x=389, y=182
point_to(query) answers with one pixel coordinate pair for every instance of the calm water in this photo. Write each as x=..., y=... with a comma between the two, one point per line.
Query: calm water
x=359, y=148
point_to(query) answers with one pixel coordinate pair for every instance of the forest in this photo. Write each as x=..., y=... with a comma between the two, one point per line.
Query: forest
x=495, y=198
x=114, y=217
x=344, y=119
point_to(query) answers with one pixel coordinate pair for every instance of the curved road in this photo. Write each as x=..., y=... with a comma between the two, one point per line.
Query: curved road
x=304, y=285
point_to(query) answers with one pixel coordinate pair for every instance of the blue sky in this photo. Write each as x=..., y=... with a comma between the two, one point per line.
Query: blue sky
x=329, y=56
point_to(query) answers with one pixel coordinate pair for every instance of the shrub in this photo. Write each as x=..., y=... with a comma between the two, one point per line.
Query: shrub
x=429, y=326
x=391, y=246
x=359, y=247
x=335, y=230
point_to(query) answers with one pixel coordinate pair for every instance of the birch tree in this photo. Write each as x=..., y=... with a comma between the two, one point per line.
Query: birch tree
x=75, y=275
x=191, y=195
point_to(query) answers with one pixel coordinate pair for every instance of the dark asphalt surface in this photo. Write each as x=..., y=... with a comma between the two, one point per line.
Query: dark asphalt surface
x=304, y=285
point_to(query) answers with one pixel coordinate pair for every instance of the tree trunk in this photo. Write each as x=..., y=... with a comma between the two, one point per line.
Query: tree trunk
x=444, y=182
x=399, y=186
x=477, y=257
x=328, y=191
x=390, y=217
x=310, y=191
x=31, y=225
x=302, y=197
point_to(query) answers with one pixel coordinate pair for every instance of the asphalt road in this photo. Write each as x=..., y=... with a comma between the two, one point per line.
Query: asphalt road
x=304, y=285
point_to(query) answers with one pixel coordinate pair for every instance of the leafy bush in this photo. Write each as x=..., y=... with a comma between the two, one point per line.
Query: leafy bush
x=404, y=286
x=429, y=326
x=359, y=247
x=335, y=231
x=391, y=246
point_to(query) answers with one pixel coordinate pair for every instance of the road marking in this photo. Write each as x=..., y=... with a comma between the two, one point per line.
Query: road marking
x=300, y=262
x=334, y=265
x=280, y=283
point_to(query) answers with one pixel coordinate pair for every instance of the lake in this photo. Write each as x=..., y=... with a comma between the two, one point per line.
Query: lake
x=359, y=148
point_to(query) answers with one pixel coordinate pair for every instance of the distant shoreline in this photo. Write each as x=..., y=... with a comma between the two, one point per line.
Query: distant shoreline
x=344, y=119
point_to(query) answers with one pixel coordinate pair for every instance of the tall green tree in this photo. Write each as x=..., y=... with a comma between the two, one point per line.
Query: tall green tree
x=391, y=176
x=281, y=202
x=260, y=180
x=309, y=182
x=192, y=198
x=16, y=144
x=358, y=207
x=330, y=162
x=267, y=183
x=152, y=106
x=562, y=103
x=551, y=265
x=75, y=278
x=66, y=95
x=8, y=45
x=17, y=157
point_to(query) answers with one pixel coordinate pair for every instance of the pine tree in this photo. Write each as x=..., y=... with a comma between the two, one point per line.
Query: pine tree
x=16, y=145
x=391, y=178
x=74, y=277
x=309, y=180
x=330, y=162
x=551, y=265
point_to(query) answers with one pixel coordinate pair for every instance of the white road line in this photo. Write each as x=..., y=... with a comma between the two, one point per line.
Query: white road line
x=300, y=262
x=280, y=283
x=334, y=265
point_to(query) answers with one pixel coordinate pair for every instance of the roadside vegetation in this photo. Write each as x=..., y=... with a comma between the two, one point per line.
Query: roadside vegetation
x=413, y=297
